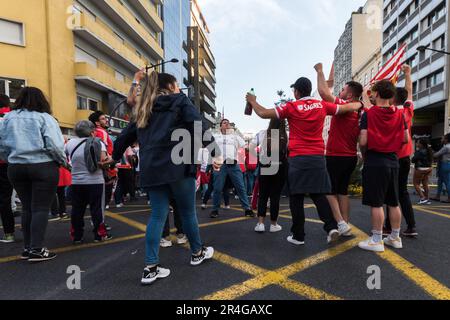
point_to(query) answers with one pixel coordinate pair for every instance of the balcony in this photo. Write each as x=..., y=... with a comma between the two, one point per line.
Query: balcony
x=150, y=13
x=207, y=105
x=209, y=70
x=98, y=34
x=206, y=48
x=128, y=22
x=211, y=120
x=101, y=78
x=208, y=85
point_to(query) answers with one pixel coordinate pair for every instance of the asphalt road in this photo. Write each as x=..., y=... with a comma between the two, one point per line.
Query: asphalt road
x=247, y=266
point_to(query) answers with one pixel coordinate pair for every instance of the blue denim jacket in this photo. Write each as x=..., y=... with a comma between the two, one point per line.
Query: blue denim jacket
x=30, y=137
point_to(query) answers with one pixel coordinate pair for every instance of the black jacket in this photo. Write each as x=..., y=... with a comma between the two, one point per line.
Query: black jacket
x=422, y=159
x=170, y=112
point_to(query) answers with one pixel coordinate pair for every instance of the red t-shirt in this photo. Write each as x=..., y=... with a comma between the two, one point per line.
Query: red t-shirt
x=104, y=136
x=306, y=119
x=386, y=128
x=344, y=134
x=408, y=112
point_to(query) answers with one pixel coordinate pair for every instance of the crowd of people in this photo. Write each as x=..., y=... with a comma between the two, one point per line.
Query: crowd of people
x=90, y=170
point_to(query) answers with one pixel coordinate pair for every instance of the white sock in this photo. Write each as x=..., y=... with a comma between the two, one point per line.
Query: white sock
x=377, y=236
x=395, y=233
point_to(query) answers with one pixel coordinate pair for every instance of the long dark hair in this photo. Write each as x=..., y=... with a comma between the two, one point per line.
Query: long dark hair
x=424, y=144
x=277, y=124
x=32, y=99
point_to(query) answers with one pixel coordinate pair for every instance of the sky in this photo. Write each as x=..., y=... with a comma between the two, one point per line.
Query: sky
x=267, y=45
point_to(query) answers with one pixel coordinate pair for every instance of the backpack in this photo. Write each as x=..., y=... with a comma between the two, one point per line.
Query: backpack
x=92, y=153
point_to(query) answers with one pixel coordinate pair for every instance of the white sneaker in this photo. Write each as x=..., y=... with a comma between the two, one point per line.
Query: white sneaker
x=150, y=275
x=344, y=229
x=296, y=242
x=120, y=205
x=333, y=236
x=107, y=207
x=165, y=243
x=203, y=206
x=182, y=239
x=275, y=228
x=369, y=245
x=227, y=208
x=394, y=243
x=260, y=228
x=207, y=253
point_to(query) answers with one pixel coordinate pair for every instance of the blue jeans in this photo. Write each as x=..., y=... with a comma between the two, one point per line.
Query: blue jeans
x=250, y=176
x=183, y=192
x=237, y=178
x=444, y=173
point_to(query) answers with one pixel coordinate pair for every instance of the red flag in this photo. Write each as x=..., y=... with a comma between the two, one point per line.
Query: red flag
x=391, y=70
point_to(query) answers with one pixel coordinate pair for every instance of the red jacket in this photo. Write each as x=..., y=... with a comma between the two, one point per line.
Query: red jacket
x=65, y=177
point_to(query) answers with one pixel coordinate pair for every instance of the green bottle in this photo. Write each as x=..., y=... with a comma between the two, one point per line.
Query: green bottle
x=248, y=107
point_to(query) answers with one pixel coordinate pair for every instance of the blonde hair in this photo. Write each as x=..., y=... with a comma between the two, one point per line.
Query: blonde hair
x=146, y=100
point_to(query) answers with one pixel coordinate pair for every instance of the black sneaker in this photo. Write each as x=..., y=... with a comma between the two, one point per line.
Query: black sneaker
x=150, y=275
x=102, y=239
x=107, y=227
x=410, y=232
x=25, y=254
x=207, y=253
x=249, y=213
x=214, y=214
x=41, y=255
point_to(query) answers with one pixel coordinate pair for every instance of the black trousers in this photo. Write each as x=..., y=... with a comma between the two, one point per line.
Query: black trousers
x=270, y=187
x=177, y=220
x=6, y=190
x=83, y=195
x=59, y=202
x=36, y=186
x=404, y=198
x=298, y=214
x=125, y=185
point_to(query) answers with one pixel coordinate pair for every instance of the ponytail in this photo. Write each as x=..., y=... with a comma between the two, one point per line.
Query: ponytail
x=145, y=102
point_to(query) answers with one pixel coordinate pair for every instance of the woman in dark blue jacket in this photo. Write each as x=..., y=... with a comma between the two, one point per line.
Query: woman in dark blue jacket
x=160, y=110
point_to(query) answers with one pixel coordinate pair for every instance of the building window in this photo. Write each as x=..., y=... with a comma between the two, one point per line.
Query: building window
x=11, y=87
x=84, y=103
x=12, y=32
x=83, y=56
x=120, y=76
x=437, y=78
x=439, y=43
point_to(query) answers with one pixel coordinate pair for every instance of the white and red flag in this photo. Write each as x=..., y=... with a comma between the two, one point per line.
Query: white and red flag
x=391, y=70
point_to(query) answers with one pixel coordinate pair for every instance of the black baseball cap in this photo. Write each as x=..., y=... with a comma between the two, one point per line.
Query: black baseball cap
x=303, y=85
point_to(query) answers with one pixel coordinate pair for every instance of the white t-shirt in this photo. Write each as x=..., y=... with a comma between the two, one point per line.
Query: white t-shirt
x=80, y=173
x=229, y=145
x=203, y=159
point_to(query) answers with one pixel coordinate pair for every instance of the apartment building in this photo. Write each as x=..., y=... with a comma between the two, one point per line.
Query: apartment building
x=82, y=54
x=422, y=23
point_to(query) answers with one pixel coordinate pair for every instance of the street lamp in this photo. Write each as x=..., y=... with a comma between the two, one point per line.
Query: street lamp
x=423, y=48
x=147, y=68
x=447, y=104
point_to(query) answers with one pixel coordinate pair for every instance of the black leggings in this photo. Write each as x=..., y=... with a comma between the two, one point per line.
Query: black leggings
x=59, y=202
x=36, y=186
x=177, y=220
x=270, y=187
x=298, y=214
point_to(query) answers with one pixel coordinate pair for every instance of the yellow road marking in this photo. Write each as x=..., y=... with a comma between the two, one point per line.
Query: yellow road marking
x=433, y=287
x=432, y=212
x=209, y=224
x=130, y=222
x=262, y=278
x=79, y=247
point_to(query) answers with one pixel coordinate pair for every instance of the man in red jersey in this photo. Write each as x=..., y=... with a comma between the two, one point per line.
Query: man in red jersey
x=342, y=148
x=383, y=133
x=403, y=101
x=307, y=165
